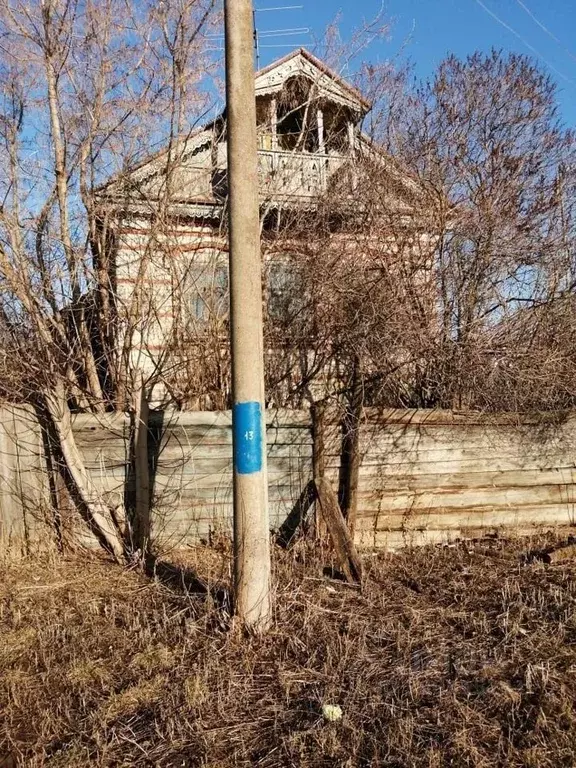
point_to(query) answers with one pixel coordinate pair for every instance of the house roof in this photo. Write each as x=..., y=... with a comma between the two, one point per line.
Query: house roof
x=132, y=185
x=301, y=60
x=267, y=80
x=152, y=163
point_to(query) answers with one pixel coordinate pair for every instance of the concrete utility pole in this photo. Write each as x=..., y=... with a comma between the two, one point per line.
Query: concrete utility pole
x=251, y=528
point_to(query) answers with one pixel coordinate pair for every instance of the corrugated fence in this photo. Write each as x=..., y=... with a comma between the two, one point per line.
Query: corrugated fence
x=425, y=475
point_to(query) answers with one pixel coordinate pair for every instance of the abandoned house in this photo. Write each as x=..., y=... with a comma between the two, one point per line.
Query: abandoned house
x=165, y=220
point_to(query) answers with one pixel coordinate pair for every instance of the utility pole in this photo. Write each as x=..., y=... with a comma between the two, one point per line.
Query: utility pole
x=251, y=528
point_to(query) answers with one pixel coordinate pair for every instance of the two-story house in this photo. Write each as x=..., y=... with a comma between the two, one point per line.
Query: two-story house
x=167, y=216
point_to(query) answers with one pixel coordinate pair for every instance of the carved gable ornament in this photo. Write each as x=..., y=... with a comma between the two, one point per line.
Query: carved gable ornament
x=271, y=80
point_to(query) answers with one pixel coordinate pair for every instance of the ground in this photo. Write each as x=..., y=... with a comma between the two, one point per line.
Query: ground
x=448, y=656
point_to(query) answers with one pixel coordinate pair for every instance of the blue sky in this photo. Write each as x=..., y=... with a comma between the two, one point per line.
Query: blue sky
x=426, y=30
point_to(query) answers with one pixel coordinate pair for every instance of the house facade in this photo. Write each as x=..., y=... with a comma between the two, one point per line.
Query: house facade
x=167, y=220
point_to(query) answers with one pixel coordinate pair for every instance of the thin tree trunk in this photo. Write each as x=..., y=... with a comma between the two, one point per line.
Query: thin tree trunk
x=346, y=553
x=71, y=257
x=318, y=413
x=99, y=514
x=141, y=526
x=350, y=455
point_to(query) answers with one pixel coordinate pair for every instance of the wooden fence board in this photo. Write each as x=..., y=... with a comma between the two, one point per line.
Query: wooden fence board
x=425, y=475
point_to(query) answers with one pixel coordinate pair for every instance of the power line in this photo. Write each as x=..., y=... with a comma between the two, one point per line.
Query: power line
x=524, y=42
x=287, y=31
x=280, y=8
x=545, y=29
x=277, y=45
x=272, y=33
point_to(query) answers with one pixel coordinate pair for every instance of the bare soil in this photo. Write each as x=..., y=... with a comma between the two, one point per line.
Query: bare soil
x=448, y=656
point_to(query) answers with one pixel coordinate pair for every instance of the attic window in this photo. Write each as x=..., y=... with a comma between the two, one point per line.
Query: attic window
x=296, y=126
x=336, y=120
x=337, y=138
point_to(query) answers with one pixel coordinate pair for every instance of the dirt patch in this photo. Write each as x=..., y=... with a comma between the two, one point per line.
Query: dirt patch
x=462, y=656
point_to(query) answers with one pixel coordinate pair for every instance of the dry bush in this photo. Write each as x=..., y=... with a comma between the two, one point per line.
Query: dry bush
x=448, y=656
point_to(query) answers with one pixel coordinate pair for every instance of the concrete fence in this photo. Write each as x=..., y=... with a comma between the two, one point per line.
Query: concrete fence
x=425, y=475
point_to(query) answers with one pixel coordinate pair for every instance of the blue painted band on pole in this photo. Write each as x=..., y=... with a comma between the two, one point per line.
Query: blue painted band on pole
x=247, y=426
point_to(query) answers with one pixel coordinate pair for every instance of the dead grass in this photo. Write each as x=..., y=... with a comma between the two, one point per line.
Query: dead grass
x=462, y=656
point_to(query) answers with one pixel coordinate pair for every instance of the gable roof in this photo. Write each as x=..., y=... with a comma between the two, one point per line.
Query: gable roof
x=269, y=79
x=132, y=186
x=131, y=179
x=300, y=61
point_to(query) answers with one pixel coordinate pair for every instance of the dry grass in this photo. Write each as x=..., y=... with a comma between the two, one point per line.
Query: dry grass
x=461, y=656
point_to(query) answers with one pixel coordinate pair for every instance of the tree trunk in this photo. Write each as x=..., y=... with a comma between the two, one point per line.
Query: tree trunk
x=318, y=413
x=141, y=525
x=350, y=455
x=100, y=516
x=346, y=553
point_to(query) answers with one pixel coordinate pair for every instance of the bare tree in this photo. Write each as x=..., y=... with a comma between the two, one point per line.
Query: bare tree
x=437, y=273
x=440, y=276
x=88, y=87
x=486, y=136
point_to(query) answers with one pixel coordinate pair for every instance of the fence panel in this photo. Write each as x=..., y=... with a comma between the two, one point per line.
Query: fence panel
x=425, y=475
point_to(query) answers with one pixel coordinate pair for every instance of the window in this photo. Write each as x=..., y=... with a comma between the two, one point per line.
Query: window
x=209, y=292
x=286, y=295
